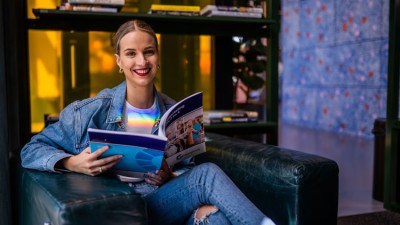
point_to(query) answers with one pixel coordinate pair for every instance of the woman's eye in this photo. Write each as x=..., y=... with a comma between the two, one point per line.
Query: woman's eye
x=149, y=52
x=130, y=53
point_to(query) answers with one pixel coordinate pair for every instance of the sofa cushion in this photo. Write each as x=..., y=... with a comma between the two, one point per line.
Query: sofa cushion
x=71, y=198
x=291, y=187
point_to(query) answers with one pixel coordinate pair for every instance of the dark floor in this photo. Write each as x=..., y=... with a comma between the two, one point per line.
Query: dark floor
x=355, y=157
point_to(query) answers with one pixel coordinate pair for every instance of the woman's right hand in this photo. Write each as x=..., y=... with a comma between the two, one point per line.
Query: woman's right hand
x=89, y=163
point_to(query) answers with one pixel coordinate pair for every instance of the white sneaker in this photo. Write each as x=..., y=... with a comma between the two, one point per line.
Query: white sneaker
x=267, y=221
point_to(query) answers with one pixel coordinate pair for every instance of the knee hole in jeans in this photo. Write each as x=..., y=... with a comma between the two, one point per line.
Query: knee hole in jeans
x=203, y=219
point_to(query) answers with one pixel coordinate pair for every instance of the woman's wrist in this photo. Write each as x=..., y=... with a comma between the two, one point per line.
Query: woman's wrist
x=60, y=165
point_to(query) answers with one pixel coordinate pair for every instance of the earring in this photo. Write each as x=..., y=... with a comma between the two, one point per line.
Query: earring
x=120, y=70
x=158, y=66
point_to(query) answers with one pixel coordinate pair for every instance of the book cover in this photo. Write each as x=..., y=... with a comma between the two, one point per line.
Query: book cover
x=98, y=2
x=209, y=8
x=180, y=136
x=141, y=153
x=215, y=13
x=181, y=8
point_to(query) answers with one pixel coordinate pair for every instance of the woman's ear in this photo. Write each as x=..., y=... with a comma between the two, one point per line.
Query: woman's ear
x=118, y=60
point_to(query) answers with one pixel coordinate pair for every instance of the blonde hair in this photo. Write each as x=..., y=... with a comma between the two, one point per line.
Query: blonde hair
x=129, y=26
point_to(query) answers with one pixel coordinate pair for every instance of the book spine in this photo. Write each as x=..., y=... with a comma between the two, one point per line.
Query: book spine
x=98, y=2
x=95, y=9
x=233, y=14
x=241, y=9
x=230, y=117
x=225, y=114
x=174, y=13
x=230, y=120
x=181, y=8
x=209, y=8
x=232, y=113
x=89, y=8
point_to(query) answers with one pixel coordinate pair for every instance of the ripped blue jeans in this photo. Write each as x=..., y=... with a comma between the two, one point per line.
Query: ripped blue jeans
x=176, y=202
x=215, y=217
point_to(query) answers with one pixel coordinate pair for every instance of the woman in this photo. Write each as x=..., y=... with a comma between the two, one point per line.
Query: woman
x=203, y=193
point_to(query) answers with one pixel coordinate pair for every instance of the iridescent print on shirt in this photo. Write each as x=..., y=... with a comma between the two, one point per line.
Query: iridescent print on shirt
x=140, y=120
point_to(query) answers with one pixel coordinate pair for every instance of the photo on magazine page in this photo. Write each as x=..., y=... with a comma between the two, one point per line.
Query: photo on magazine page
x=184, y=129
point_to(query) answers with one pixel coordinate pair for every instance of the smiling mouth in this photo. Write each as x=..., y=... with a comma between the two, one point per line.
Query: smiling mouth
x=142, y=72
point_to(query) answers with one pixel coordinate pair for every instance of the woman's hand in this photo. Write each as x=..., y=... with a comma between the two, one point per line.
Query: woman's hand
x=88, y=163
x=161, y=176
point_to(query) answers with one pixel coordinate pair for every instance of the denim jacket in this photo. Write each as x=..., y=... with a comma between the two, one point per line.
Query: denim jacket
x=69, y=135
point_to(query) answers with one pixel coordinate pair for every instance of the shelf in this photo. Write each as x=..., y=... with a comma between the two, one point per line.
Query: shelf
x=51, y=19
x=242, y=128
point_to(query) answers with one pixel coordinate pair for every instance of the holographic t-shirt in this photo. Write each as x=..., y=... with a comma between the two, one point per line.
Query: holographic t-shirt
x=140, y=120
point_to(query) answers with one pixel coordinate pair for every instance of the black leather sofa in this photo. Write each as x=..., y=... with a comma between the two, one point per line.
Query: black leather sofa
x=289, y=186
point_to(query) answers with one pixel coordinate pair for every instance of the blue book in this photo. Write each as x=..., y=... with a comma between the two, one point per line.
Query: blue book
x=141, y=153
x=180, y=136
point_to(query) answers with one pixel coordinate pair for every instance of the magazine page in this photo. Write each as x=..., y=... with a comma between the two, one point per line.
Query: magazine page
x=183, y=126
x=142, y=153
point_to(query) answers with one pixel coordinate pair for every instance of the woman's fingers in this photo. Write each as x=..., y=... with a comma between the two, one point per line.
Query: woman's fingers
x=98, y=152
x=114, y=159
x=153, y=179
x=158, y=178
x=91, y=163
x=109, y=162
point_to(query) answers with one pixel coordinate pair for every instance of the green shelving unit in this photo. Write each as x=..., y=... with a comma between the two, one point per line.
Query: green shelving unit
x=51, y=19
x=392, y=150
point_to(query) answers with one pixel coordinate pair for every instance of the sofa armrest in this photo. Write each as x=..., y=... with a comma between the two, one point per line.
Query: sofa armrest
x=289, y=186
x=71, y=198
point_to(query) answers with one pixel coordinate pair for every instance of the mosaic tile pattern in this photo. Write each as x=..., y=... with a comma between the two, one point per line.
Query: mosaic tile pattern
x=334, y=57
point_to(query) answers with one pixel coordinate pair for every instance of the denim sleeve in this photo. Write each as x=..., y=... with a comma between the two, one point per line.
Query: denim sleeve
x=55, y=142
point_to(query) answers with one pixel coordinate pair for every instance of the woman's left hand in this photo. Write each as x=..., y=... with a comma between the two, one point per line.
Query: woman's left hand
x=161, y=176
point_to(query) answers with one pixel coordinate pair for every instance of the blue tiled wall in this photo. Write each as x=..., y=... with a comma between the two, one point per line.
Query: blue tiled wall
x=334, y=57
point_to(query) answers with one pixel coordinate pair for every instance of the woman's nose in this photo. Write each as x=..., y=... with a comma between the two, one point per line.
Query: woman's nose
x=141, y=60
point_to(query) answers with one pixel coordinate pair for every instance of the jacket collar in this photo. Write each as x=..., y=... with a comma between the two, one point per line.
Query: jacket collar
x=118, y=100
x=117, y=104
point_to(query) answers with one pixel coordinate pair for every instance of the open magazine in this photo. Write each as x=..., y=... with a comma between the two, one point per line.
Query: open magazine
x=180, y=136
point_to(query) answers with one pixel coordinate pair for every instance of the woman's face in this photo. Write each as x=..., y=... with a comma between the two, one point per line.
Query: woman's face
x=138, y=58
